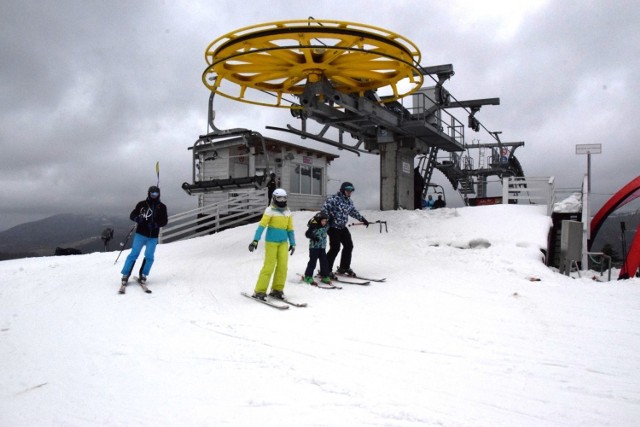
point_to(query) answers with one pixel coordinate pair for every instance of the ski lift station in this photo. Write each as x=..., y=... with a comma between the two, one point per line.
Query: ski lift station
x=242, y=166
x=355, y=87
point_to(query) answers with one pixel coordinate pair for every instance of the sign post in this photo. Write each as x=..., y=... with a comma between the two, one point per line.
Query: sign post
x=587, y=149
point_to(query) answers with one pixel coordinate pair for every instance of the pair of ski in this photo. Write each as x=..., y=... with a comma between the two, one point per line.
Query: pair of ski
x=319, y=284
x=353, y=280
x=137, y=279
x=342, y=278
x=333, y=285
x=350, y=280
x=272, y=302
x=364, y=279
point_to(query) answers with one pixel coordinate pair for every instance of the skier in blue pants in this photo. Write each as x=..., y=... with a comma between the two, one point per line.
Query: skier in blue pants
x=150, y=215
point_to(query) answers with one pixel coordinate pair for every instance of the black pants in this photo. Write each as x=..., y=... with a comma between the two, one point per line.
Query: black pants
x=316, y=254
x=337, y=237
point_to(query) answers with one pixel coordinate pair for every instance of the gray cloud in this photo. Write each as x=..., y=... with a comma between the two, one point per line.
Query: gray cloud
x=94, y=93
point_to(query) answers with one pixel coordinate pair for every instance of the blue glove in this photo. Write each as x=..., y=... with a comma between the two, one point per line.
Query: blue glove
x=292, y=249
x=253, y=245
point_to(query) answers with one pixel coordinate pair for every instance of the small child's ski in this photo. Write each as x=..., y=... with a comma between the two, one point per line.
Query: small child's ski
x=320, y=284
x=144, y=286
x=267, y=302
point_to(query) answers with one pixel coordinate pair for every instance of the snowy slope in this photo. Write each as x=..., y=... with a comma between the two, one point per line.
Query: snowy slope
x=457, y=336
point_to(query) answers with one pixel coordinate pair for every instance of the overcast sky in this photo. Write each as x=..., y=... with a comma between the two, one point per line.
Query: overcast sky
x=95, y=92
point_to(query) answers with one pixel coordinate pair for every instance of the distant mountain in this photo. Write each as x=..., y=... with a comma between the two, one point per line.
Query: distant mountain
x=82, y=232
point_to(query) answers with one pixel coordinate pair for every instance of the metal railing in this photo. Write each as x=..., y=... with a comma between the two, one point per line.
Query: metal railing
x=603, y=257
x=234, y=211
x=425, y=109
x=535, y=191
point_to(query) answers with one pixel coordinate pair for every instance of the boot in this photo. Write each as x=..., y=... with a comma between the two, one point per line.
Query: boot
x=277, y=294
x=259, y=295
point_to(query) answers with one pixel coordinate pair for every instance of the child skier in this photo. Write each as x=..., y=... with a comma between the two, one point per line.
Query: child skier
x=317, y=235
x=279, y=239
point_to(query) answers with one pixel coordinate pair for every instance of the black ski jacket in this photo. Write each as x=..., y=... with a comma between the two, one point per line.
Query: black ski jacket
x=150, y=216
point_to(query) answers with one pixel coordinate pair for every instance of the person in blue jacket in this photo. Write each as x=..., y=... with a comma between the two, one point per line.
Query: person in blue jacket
x=339, y=208
x=150, y=215
x=428, y=204
x=317, y=235
x=279, y=243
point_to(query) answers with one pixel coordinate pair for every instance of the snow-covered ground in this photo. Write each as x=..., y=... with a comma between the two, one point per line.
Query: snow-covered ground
x=458, y=335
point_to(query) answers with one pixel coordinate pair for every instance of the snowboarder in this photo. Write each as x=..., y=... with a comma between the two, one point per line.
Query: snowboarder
x=279, y=243
x=317, y=235
x=339, y=208
x=150, y=215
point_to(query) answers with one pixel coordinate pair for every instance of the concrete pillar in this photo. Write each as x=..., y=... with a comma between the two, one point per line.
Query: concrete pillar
x=396, y=176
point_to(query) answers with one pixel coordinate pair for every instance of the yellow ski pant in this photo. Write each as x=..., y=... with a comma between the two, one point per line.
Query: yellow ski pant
x=276, y=258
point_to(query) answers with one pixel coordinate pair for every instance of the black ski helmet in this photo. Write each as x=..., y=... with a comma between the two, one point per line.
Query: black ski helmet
x=320, y=216
x=153, y=189
x=346, y=186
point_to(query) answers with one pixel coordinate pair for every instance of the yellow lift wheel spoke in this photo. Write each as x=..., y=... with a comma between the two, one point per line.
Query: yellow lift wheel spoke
x=279, y=58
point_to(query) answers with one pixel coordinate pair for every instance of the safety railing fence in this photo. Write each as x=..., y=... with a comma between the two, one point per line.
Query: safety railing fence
x=530, y=190
x=227, y=213
x=423, y=107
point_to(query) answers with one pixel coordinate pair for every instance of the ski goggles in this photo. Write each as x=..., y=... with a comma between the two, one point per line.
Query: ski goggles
x=348, y=188
x=280, y=198
x=154, y=194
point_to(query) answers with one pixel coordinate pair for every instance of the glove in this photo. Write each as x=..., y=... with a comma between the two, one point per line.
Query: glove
x=365, y=222
x=253, y=245
x=140, y=220
x=292, y=249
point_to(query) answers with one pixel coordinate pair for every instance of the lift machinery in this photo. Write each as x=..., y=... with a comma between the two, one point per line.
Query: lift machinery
x=363, y=82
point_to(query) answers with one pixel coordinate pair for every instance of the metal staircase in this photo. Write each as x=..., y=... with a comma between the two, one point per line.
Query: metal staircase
x=464, y=176
x=466, y=185
x=426, y=164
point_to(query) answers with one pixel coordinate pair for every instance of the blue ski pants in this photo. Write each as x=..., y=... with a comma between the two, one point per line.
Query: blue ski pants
x=139, y=241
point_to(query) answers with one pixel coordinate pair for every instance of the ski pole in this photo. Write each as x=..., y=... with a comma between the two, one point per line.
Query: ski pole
x=385, y=226
x=125, y=242
x=373, y=222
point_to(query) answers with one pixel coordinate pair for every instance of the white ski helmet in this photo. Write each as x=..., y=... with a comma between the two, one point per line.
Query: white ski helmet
x=279, y=197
